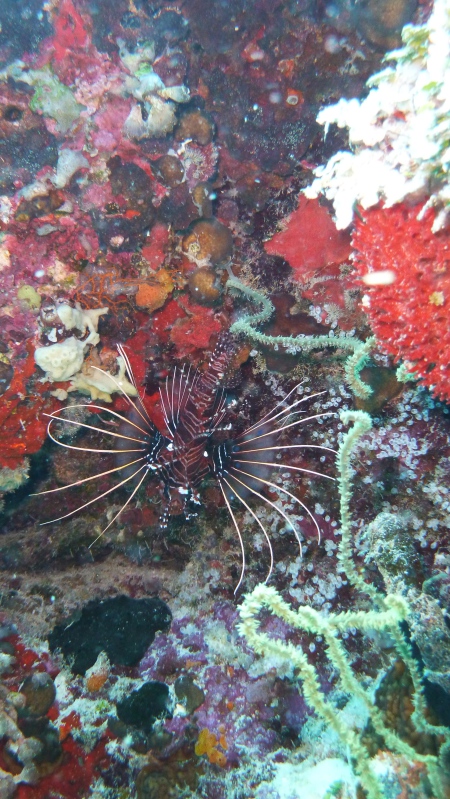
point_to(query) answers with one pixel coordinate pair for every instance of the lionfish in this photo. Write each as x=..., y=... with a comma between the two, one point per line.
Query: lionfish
x=194, y=406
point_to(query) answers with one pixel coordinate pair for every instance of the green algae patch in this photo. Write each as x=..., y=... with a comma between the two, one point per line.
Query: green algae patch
x=53, y=99
x=29, y=295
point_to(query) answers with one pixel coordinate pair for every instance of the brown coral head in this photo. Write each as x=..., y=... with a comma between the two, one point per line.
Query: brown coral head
x=195, y=126
x=204, y=286
x=169, y=170
x=208, y=243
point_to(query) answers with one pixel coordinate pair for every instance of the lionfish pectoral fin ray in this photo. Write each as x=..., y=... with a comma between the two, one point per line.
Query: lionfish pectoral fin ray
x=87, y=479
x=91, y=501
x=90, y=427
x=286, y=411
x=173, y=398
x=146, y=419
x=289, y=494
x=293, y=468
x=287, y=426
x=97, y=408
x=290, y=446
x=266, y=535
x=135, y=490
x=269, y=502
x=239, y=536
x=268, y=415
x=307, y=419
x=122, y=352
x=87, y=449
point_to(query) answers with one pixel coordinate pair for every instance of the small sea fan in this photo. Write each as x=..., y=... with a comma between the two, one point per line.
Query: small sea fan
x=194, y=406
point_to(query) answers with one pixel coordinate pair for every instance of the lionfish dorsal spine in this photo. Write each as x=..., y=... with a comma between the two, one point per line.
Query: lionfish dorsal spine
x=210, y=382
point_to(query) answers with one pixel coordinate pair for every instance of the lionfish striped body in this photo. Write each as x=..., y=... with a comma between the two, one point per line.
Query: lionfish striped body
x=184, y=454
x=193, y=409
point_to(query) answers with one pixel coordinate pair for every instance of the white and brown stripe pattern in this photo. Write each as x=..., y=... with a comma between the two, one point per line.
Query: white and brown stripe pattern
x=181, y=457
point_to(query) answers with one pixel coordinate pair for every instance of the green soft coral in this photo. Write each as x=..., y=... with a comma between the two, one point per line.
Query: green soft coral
x=388, y=613
x=247, y=326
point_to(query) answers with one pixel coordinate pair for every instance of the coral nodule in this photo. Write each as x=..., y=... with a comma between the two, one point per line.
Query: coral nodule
x=208, y=242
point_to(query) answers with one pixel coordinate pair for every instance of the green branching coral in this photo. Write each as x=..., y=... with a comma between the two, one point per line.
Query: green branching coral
x=293, y=344
x=387, y=614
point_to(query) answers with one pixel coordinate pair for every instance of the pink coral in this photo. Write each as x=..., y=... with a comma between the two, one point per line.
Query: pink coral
x=22, y=419
x=187, y=325
x=318, y=254
x=70, y=31
x=409, y=315
x=195, y=330
x=309, y=240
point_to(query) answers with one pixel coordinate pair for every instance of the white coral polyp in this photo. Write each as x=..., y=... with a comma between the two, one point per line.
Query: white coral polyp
x=399, y=132
x=360, y=177
x=62, y=360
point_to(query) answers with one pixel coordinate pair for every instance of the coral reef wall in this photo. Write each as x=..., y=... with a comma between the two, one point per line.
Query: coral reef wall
x=224, y=241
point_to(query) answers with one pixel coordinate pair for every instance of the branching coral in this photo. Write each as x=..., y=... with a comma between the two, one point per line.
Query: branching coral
x=387, y=615
x=22, y=749
x=247, y=325
x=400, y=131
